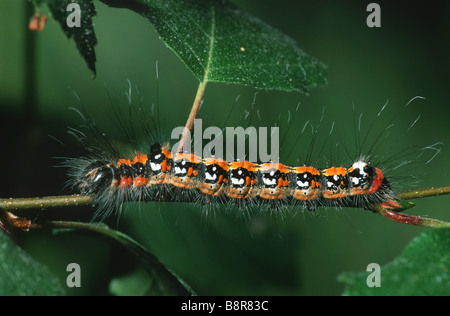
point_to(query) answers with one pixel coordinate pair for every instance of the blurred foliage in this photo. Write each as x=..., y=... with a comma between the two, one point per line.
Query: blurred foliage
x=22, y=275
x=422, y=269
x=224, y=252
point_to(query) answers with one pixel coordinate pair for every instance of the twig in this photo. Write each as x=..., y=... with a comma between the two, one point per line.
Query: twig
x=421, y=193
x=410, y=219
x=14, y=204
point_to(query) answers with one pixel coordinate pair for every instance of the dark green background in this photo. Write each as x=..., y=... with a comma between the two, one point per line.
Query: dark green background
x=226, y=252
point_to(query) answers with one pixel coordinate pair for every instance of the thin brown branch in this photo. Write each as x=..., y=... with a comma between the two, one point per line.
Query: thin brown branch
x=410, y=219
x=8, y=219
x=14, y=204
x=421, y=193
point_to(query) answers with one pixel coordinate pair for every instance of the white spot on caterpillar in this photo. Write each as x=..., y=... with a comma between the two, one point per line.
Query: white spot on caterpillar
x=302, y=184
x=208, y=176
x=359, y=167
x=155, y=166
x=179, y=170
x=269, y=181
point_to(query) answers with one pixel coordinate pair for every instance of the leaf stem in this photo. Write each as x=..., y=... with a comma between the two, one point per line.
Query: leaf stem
x=201, y=87
x=192, y=115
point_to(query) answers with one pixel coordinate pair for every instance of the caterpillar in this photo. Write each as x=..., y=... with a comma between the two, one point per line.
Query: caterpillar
x=161, y=174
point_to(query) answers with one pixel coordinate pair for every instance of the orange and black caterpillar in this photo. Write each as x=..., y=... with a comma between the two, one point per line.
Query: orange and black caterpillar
x=162, y=175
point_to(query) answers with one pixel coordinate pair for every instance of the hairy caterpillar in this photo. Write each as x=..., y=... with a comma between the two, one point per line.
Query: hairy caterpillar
x=159, y=174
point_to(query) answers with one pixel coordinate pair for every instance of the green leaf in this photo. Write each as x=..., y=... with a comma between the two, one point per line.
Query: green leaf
x=219, y=42
x=137, y=283
x=163, y=280
x=84, y=35
x=422, y=269
x=22, y=275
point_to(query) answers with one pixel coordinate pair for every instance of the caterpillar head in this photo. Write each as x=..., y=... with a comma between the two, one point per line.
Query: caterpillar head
x=97, y=176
